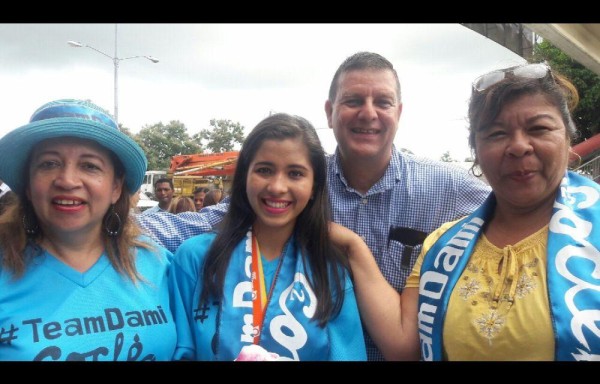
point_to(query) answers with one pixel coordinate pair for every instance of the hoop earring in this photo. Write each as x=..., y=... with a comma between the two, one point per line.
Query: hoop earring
x=572, y=156
x=31, y=229
x=112, y=222
x=477, y=173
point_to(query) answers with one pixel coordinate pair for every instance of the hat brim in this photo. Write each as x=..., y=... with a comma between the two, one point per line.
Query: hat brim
x=16, y=146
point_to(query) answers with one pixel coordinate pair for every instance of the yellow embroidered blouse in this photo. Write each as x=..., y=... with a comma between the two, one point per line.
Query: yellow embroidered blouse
x=499, y=307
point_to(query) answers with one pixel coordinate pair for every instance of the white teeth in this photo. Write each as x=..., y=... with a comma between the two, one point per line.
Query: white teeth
x=365, y=131
x=276, y=204
x=67, y=202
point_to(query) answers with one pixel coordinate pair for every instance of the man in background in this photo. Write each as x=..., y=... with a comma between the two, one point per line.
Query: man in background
x=163, y=190
x=389, y=198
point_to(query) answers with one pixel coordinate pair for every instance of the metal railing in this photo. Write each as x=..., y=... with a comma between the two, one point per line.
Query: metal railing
x=590, y=169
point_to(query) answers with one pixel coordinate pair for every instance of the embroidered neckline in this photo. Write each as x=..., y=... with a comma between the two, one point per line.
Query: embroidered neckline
x=512, y=281
x=534, y=239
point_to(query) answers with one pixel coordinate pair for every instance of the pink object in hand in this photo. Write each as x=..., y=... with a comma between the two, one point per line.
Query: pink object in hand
x=256, y=353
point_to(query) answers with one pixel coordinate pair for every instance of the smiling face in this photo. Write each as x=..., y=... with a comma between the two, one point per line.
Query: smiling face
x=524, y=152
x=279, y=184
x=72, y=185
x=365, y=113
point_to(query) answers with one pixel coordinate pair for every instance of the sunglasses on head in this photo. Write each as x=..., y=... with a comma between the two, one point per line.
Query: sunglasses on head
x=528, y=71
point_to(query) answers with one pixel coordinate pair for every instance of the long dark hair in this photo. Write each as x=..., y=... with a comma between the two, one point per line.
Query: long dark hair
x=311, y=230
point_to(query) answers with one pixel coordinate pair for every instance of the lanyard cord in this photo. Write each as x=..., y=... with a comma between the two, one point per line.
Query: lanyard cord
x=259, y=307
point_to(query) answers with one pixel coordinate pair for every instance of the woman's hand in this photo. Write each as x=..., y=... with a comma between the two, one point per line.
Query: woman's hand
x=344, y=237
x=390, y=320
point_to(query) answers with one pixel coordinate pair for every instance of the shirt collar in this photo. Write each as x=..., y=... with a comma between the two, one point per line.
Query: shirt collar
x=388, y=181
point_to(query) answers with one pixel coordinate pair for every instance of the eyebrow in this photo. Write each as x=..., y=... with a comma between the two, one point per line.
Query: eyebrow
x=270, y=163
x=378, y=94
x=530, y=120
x=542, y=116
x=44, y=152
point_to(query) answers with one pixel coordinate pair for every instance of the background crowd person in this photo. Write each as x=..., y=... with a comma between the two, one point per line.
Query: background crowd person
x=273, y=241
x=69, y=251
x=214, y=196
x=182, y=204
x=199, y=196
x=390, y=198
x=513, y=280
x=163, y=190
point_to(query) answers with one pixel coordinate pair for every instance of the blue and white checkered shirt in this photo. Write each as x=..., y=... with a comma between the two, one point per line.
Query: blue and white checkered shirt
x=414, y=197
x=414, y=194
x=154, y=209
x=170, y=230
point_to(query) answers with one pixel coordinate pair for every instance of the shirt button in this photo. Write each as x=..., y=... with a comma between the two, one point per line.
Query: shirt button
x=364, y=200
x=364, y=238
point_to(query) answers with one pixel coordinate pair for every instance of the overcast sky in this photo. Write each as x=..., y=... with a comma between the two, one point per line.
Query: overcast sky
x=242, y=72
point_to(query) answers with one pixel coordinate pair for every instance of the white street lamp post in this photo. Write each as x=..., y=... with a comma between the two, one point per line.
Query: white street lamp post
x=115, y=59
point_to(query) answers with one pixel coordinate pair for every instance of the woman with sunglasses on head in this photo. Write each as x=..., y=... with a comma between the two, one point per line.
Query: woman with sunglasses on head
x=78, y=282
x=518, y=279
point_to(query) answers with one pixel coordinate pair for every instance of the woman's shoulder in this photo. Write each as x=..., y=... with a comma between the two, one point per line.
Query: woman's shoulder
x=151, y=254
x=191, y=253
x=194, y=242
x=153, y=246
x=437, y=233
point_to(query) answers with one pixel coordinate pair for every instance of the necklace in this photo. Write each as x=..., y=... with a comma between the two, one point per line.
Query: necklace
x=260, y=300
x=258, y=295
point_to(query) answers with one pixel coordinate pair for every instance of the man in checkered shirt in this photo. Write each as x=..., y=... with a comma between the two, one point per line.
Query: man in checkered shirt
x=391, y=199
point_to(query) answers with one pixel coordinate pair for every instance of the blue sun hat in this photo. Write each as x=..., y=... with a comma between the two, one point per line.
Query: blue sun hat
x=69, y=118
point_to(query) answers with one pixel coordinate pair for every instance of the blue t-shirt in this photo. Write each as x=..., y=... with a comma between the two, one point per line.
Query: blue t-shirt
x=56, y=313
x=299, y=339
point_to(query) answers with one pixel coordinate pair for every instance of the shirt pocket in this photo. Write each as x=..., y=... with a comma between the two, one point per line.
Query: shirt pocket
x=410, y=241
x=404, y=255
x=397, y=262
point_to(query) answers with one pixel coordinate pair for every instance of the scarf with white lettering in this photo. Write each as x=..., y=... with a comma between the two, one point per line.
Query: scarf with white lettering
x=288, y=328
x=573, y=271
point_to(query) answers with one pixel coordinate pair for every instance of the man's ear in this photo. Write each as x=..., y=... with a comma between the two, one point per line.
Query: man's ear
x=329, y=112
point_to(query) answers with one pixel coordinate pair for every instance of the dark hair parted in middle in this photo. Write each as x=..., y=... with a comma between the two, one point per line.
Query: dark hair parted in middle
x=311, y=229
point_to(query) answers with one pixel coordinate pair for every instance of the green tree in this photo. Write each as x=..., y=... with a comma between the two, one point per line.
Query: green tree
x=161, y=142
x=447, y=158
x=587, y=113
x=222, y=137
x=126, y=131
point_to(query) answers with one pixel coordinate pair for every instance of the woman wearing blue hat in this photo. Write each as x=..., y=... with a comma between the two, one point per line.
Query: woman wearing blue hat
x=77, y=279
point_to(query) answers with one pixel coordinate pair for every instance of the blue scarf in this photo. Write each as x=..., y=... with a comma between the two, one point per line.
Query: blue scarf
x=573, y=271
x=287, y=327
